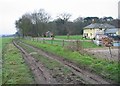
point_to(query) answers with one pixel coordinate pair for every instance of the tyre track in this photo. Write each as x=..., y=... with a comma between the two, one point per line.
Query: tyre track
x=41, y=75
x=85, y=75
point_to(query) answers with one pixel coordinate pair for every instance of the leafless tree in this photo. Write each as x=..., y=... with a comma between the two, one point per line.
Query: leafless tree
x=64, y=16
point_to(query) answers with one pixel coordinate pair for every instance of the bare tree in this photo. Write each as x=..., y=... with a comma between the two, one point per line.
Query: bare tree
x=64, y=16
x=79, y=19
x=62, y=23
x=40, y=20
x=43, y=16
x=34, y=24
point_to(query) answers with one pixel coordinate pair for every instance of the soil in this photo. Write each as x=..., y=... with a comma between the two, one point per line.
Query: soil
x=40, y=73
x=43, y=75
x=105, y=53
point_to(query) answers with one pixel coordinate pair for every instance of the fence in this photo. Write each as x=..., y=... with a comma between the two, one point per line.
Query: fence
x=76, y=45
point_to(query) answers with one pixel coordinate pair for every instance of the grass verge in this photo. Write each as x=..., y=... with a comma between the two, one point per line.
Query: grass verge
x=14, y=69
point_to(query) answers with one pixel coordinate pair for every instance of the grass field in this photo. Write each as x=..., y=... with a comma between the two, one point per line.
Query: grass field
x=14, y=69
x=84, y=44
x=75, y=37
x=0, y=43
x=108, y=69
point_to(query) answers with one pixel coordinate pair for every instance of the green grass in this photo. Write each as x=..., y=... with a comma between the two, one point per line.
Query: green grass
x=0, y=42
x=84, y=44
x=14, y=69
x=3, y=43
x=75, y=37
x=103, y=67
x=0, y=61
x=57, y=42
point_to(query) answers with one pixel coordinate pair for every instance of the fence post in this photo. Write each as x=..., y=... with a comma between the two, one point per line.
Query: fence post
x=43, y=40
x=63, y=43
x=110, y=52
x=68, y=36
x=77, y=45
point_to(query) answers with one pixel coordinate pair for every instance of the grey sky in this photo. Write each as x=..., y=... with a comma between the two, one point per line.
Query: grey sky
x=11, y=10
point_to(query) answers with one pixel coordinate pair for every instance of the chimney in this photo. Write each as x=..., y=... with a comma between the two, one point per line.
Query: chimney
x=93, y=21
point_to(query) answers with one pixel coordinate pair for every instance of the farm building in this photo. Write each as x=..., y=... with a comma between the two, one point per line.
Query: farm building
x=48, y=34
x=112, y=32
x=93, y=29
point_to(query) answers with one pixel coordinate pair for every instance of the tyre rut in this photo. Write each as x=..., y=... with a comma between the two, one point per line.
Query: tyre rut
x=85, y=75
x=41, y=75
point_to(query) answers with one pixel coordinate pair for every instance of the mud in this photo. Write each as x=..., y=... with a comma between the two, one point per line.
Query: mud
x=85, y=75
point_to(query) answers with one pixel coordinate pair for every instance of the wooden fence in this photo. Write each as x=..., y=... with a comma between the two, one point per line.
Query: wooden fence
x=71, y=44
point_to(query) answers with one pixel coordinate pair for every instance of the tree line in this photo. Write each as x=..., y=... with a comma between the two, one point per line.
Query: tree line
x=37, y=23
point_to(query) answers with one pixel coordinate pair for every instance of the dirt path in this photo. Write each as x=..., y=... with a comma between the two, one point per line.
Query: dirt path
x=87, y=76
x=39, y=71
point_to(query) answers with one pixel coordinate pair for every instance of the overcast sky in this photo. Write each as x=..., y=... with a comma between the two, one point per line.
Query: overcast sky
x=11, y=10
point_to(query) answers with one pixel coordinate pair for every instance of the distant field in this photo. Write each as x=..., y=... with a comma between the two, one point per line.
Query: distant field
x=84, y=43
x=5, y=41
x=0, y=43
x=75, y=37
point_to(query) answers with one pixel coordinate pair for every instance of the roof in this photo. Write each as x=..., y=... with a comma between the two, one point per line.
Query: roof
x=108, y=26
x=113, y=30
x=95, y=25
x=98, y=25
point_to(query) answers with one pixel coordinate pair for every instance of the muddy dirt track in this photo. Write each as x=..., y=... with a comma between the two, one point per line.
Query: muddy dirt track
x=43, y=75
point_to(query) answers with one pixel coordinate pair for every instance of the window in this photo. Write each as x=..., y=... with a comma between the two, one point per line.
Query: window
x=100, y=28
x=87, y=34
